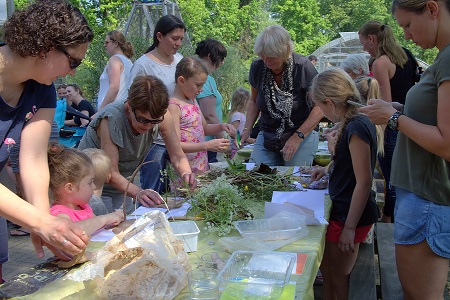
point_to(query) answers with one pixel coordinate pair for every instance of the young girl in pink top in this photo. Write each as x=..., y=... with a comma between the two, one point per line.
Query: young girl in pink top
x=72, y=185
x=190, y=125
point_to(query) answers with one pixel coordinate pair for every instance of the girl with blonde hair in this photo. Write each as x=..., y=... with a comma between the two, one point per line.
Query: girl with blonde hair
x=354, y=207
x=237, y=117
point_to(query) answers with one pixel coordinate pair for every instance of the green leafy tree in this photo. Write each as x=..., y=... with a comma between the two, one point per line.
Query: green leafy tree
x=350, y=15
x=304, y=22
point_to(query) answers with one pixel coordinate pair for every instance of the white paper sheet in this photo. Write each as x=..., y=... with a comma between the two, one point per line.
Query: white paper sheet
x=177, y=212
x=311, y=199
x=104, y=235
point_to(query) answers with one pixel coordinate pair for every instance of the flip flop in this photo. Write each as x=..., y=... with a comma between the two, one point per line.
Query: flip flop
x=19, y=232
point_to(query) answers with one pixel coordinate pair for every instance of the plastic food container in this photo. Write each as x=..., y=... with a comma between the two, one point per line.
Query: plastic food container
x=256, y=275
x=187, y=232
x=269, y=229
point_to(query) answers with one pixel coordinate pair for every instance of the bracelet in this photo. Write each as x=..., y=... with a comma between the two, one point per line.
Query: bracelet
x=244, y=129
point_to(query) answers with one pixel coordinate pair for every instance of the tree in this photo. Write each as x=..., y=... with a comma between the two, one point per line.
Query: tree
x=304, y=22
x=350, y=15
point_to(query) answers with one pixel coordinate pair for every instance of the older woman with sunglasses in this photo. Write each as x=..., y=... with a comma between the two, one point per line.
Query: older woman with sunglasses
x=46, y=40
x=125, y=131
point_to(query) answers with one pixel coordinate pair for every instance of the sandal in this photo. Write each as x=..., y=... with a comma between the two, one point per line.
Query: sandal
x=19, y=232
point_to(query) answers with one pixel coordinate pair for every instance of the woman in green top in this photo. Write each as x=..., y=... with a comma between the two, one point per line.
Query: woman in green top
x=213, y=53
x=420, y=165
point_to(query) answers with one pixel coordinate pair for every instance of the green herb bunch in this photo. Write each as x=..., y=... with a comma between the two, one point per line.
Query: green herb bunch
x=220, y=203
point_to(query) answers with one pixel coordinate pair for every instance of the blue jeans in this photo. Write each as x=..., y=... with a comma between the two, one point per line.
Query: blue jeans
x=212, y=157
x=390, y=139
x=155, y=162
x=304, y=155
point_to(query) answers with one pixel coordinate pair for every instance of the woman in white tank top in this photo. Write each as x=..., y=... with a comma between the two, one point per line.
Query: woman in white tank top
x=113, y=81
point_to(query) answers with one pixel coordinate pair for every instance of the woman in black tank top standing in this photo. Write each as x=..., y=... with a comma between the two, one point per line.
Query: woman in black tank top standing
x=395, y=69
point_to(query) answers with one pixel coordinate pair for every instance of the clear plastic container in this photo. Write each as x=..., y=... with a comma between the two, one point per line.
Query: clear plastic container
x=254, y=275
x=271, y=229
x=187, y=232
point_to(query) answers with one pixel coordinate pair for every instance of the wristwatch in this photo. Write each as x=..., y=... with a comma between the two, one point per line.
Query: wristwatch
x=300, y=134
x=393, y=121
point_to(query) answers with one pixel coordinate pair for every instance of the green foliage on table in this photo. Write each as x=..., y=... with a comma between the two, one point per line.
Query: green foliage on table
x=220, y=203
x=227, y=195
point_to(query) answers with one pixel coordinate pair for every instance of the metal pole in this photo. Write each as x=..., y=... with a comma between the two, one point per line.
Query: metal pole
x=10, y=7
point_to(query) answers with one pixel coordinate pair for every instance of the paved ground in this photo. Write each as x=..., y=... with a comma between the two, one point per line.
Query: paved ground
x=21, y=256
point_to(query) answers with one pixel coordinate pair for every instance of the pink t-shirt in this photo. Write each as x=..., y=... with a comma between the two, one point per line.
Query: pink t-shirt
x=75, y=214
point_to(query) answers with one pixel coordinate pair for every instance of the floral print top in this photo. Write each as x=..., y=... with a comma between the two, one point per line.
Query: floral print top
x=191, y=131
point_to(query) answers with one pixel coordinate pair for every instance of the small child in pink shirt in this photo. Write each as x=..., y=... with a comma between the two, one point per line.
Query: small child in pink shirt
x=72, y=185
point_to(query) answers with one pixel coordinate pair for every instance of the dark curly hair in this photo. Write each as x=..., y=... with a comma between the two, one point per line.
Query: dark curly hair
x=46, y=24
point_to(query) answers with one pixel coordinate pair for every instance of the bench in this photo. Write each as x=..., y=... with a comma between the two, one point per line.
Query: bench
x=389, y=281
x=363, y=277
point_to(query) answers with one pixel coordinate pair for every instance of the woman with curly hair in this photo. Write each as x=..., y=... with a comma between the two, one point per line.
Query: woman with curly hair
x=46, y=40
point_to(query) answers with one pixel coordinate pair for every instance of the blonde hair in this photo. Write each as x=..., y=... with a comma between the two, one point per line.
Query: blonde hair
x=124, y=45
x=274, y=41
x=102, y=165
x=370, y=89
x=336, y=85
x=66, y=165
x=239, y=101
x=387, y=44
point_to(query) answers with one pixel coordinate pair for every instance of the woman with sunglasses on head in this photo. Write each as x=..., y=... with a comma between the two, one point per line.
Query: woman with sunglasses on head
x=125, y=132
x=46, y=40
x=421, y=160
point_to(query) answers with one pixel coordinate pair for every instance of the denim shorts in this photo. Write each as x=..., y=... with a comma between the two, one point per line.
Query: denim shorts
x=417, y=219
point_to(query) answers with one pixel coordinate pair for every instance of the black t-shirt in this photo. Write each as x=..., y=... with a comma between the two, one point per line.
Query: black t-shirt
x=404, y=78
x=303, y=74
x=342, y=178
x=83, y=105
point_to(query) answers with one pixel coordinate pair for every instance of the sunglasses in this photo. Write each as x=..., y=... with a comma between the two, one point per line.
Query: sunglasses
x=73, y=62
x=145, y=120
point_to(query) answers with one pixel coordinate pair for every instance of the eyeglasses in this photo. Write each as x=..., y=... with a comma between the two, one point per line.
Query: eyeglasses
x=145, y=120
x=73, y=62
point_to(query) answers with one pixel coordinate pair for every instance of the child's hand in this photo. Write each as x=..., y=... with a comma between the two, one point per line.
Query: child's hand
x=230, y=129
x=331, y=138
x=218, y=145
x=115, y=218
x=317, y=173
